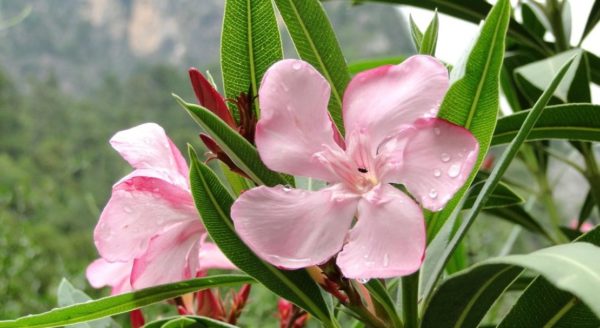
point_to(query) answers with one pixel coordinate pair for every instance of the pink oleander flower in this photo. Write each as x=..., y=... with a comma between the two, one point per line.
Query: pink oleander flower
x=392, y=137
x=150, y=233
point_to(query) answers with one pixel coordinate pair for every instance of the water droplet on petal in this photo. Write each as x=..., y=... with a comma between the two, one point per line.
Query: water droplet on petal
x=386, y=260
x=437, y=131
x=433, y=194
x=454, y=170
x=437, y=173
x=362, y=280
x=297, y=65
x=127, y=209
x=287, y=188
x=366, y=256
x=445, y=157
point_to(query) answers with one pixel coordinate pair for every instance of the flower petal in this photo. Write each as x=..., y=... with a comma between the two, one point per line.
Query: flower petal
x=293, y=228
x=141, y=206
x=389, y=238
x=102, y=273
x=148, y=146
x=386, y=98
x=437, y=160
x=171, y=256
x=211, y=257
x=294, y=123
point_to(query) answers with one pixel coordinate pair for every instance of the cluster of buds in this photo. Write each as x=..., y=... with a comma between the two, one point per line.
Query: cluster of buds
x=208, y=303
x=291, y=316
x=211, y=99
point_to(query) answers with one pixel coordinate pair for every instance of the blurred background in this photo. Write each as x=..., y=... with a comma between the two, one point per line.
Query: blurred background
x=73, y=73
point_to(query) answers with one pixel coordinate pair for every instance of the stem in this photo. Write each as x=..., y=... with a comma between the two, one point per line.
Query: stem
x=410, y=300
x=592, y=172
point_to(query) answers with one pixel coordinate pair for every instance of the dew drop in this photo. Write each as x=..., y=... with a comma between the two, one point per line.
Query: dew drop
x=445, y=157
x=366, y=256
x=437, y=131
x=362, y=280
x=127, y=209
x=437, y=173
x=386, y=260
x=287, y=188
x=433, y=194
x=297, y=65
x=454, y=170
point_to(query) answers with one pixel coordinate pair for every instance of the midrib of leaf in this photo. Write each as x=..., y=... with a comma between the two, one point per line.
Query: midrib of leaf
x=251, y=52
x=484, y=74
x=324, y=69
x=474, y=298
x=558, y=128
x=593, y=274
x=564, y=310
x=283, y=278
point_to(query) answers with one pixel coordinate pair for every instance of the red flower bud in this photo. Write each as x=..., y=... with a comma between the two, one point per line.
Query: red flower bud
x=136, y=318
x=209, y=97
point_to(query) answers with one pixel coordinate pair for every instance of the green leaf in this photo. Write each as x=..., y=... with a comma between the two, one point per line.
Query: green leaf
x=250, y=44
x=444, y=246
x=109, y=306
x=594, y=62
x=415, y=33
x=430, y=37
x=472, y=101
x=378, y=291
x=188, y=322
x=474, y=11
x=535, y=23
x=570, y=121
x=214, y=203
x=242, y=153
x=363, y=65
x=316, y=43
x=586, y=209
x=560, y=308
x=463, y=299
x=69, y=295
x=516, y=214
x=539, y=74
x=502, y=195
x=592, y=20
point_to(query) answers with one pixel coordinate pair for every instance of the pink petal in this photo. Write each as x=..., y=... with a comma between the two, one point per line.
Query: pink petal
x=147, y=146
x=211, y=257
x=294, y=123
x=437, y=160
x=171, y=256
x=102, y=273
x=384, y=99
x=293, y=228
x=140, y=207
x=389, y=238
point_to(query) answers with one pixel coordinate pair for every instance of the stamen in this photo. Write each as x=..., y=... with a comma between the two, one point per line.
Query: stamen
x=362, y=170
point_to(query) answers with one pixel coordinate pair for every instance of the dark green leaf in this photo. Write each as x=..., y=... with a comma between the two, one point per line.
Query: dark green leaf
x=571, y=121
x=592, y=20
x=317, y=44
x=463, y=299
x=242, y=153
x=502, y=195
x=250, y=44
x=586, y=209
x=532, y=22
x=214, y=203
x=378, y=291
x=516, y=214
x=558, y=308
x=109, y=306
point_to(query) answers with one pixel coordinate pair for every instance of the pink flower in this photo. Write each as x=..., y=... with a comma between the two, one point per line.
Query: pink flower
x=392, y=136
x=150, y=233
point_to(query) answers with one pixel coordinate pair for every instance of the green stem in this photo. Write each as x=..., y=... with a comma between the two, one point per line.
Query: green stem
x=555, y=16
x=592, y=172
x=410, y=300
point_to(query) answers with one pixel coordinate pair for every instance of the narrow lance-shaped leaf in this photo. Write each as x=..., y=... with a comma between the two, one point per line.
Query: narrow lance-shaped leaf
x=558, y=309
x=188, y=321
x=570, y=121
x=464, y=299
x=430, y=37
x=240, y=151
x=378, y=291
x=439, y=262
x=250, y=44
x=415, y=33
x=316, y=43
x=214, y=203
x=592, y=20
x=472, y=101
x=112, y=305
